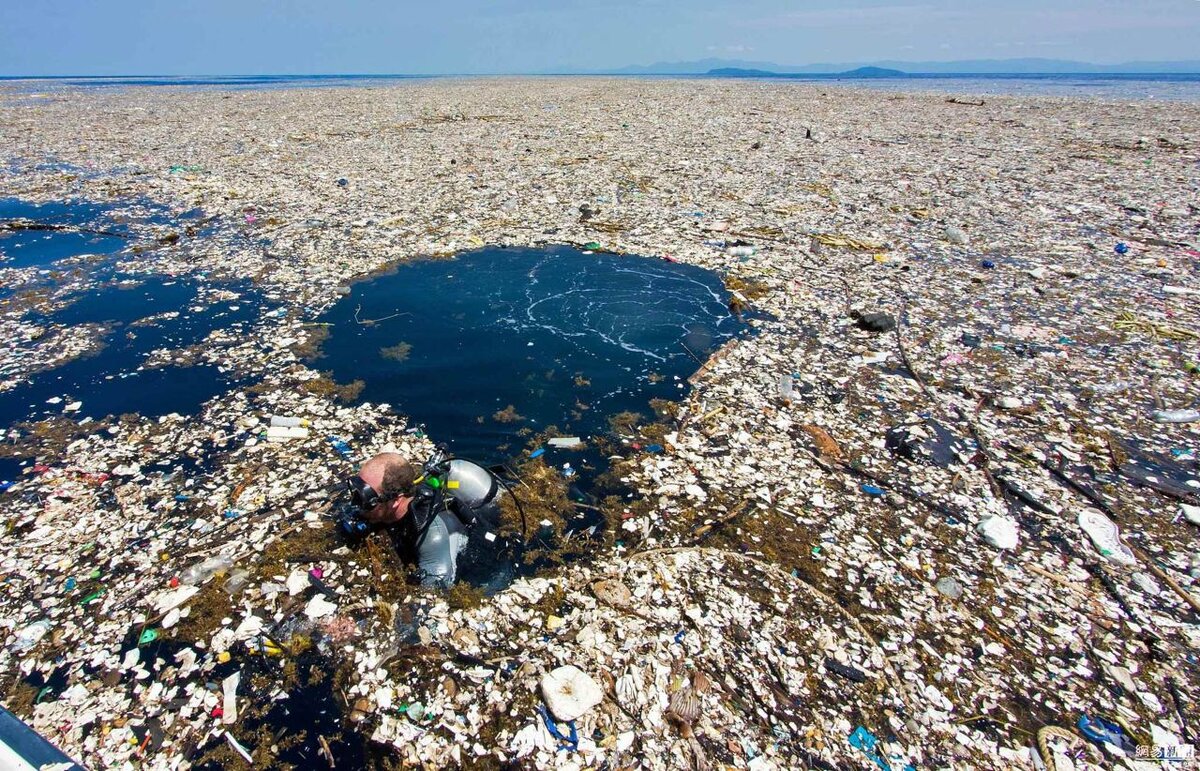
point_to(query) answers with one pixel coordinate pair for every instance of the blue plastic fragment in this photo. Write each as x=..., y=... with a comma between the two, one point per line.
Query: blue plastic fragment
x=1101, y=731
x=181, y=498
x=340, y=445
x=1121, y=248
x=654, y=448
x=539, y=452
x=570, y=742
x=71, y=583
x=679, y=636
x=864, y=740
x=5, y=485
x=872, y=490
x=232, y=514
x=988, y=264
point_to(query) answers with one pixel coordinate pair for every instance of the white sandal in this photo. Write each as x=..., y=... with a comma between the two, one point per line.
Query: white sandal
x=1106, y=536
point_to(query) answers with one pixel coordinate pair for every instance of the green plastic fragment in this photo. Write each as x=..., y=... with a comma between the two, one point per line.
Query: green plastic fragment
x=94, y=595
x=592, y=246
x=148, y=636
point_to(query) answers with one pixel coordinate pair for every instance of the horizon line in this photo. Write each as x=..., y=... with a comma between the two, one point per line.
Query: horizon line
x=619, y=73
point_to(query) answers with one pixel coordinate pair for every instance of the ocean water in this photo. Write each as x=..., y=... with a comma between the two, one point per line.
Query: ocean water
x=25, y=248
x=1106, y=86
x=496, y=344
x=135, y=314
x=1167, y=87
x=114, y=381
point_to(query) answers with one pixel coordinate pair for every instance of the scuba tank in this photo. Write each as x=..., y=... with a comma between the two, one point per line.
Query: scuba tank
x=475, y=492
x=462, y=487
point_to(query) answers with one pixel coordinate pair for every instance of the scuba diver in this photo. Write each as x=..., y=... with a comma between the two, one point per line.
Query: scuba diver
x=431, y=510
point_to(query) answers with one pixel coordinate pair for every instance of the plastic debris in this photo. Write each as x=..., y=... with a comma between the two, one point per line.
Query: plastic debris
x=1106, y=536
x=1000, y=532
x=570, y=693
x=877, y=322
x=949, y=588
x=229, y=688
x=1175, y=416
x=1033, y=305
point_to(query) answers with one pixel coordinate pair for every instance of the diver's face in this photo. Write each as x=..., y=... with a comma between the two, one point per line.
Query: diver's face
x=384, y=512
x=389, y=512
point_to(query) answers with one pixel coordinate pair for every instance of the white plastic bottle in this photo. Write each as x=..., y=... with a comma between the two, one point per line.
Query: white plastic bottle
x=283, y=421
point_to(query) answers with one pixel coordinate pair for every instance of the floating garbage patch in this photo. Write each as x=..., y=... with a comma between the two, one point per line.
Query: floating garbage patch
x=937, y=511
x=507, y=354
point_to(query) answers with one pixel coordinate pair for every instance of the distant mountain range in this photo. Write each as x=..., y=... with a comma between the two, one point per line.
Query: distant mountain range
x=861, y=72
x=962, y=67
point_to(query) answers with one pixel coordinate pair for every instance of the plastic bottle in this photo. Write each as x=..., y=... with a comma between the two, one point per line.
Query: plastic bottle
x=741, y=251
x=787, y=388
x=286, y=433
x=236, y=580
x=283, y=421
x=202, y=571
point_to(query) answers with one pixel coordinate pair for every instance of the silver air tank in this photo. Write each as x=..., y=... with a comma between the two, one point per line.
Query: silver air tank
x=475, y=490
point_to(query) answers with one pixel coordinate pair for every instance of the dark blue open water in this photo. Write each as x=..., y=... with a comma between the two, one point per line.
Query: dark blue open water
x=565, y=338
x=113, y=381
x=22, y=249
x=118, y=224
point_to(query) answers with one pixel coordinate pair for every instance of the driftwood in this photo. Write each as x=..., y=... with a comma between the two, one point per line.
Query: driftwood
x=968, y=102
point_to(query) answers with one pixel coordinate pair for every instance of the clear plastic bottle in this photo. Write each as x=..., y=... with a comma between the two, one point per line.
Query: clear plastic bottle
x=202, y=571
x=787, y=389
x=236, y=579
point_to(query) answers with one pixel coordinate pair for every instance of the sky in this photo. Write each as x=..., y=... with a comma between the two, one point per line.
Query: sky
x=258, y=37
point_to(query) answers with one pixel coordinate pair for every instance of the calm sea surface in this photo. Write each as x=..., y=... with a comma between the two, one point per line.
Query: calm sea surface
x=1117, y=87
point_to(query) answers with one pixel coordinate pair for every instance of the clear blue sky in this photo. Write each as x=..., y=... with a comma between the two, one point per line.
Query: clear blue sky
x=248, y=37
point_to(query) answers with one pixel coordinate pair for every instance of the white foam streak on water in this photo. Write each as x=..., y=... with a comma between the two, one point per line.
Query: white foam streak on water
x=616, y=315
